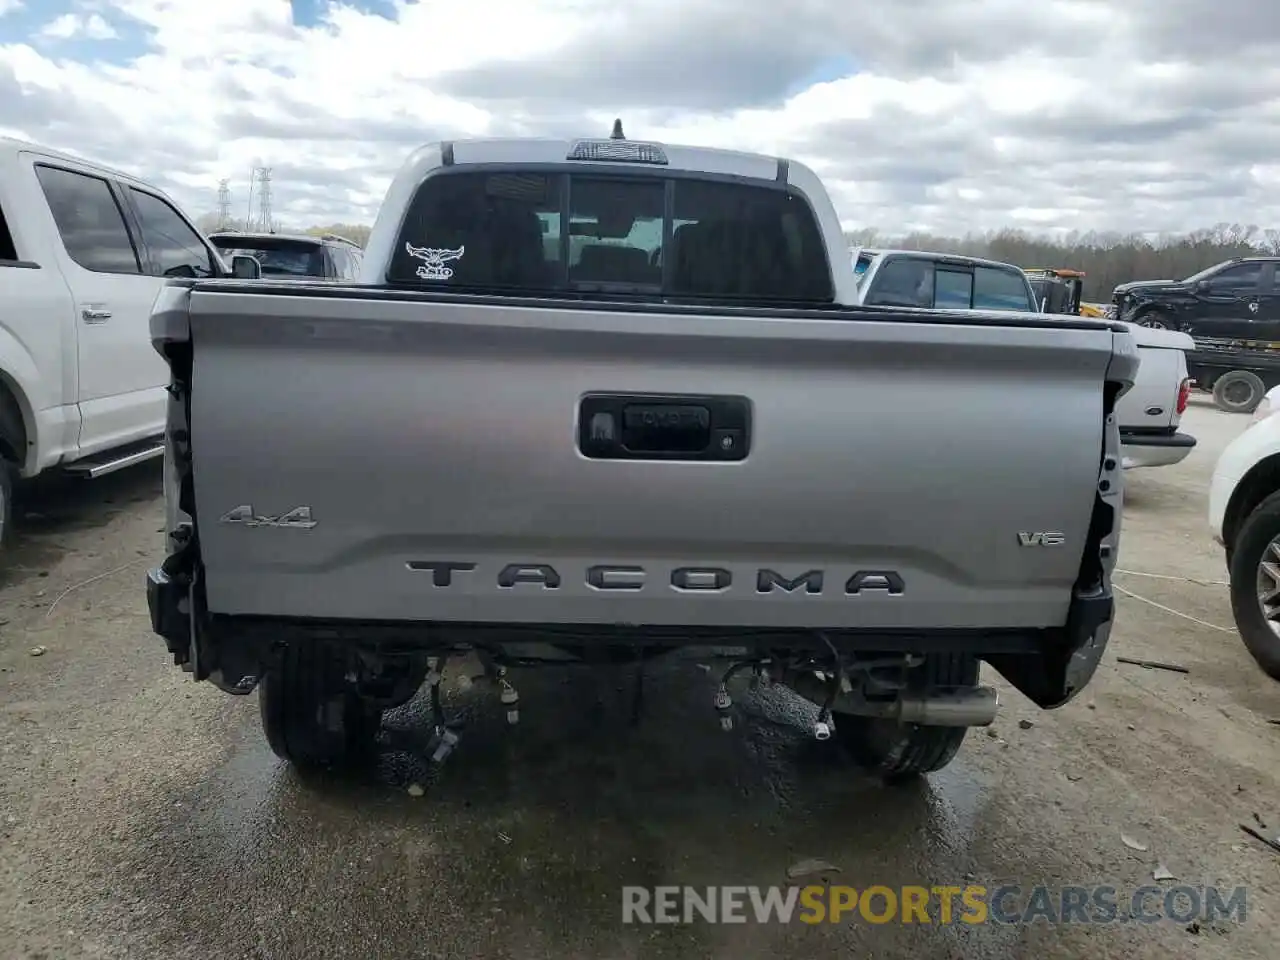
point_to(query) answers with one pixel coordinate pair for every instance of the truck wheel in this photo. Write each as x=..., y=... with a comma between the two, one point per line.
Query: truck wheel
x=903, y=751
x=1155, y=320
x=1238, y=391
x=1255, y=584
x=309, y=716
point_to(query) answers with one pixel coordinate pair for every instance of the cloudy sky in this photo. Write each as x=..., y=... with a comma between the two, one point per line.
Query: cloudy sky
x=942, y=115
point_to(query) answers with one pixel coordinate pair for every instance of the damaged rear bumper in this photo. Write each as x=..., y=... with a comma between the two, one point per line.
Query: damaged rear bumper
x=1048, y=665
x=168, y=603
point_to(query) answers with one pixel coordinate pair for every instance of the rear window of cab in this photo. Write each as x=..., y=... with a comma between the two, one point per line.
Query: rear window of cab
x=547, y=233
x=910, y=281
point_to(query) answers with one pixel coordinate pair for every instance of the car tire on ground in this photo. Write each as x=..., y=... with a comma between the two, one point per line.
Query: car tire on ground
x=1257, y=543
x=899, y=752
x=309, y=716
x=1238, y=391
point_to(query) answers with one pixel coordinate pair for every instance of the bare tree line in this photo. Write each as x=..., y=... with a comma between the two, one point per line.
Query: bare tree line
x=1108, y=259
x=355, y=232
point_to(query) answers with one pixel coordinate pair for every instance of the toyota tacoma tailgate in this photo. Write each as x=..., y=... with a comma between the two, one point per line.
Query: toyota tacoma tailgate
x=459, y=462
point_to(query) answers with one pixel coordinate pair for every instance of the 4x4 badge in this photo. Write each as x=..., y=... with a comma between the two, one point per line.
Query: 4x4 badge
x=299, y=517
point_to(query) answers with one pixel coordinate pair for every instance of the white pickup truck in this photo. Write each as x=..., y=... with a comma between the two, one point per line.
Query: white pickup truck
x=84, y=251
x=1149, y=414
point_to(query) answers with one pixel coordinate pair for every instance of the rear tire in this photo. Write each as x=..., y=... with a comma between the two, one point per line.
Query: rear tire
x=1238, y=391
x=1257, y=534
x=899, y=752
x=309, y=716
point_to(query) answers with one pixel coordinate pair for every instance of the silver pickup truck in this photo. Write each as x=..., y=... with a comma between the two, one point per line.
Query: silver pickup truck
x=606, y=400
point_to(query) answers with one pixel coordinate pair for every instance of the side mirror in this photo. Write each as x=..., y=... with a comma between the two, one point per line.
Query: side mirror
x=1203, y=286
x=246, y=268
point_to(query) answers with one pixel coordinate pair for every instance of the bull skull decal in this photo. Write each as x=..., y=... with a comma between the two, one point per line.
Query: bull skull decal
x=433, y=266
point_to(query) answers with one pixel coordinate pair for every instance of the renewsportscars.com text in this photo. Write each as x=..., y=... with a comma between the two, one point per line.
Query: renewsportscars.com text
x=969, y=904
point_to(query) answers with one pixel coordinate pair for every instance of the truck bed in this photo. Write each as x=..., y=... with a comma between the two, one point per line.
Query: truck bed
x=372, y=454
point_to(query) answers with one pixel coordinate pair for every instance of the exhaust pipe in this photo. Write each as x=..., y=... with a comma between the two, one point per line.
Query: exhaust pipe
x=966, y=707
x=972, y=707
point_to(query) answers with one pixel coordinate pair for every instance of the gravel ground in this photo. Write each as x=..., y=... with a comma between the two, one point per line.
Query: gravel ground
x=142, y=815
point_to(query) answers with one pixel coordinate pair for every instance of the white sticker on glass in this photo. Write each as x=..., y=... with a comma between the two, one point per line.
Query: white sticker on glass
x=433, y=261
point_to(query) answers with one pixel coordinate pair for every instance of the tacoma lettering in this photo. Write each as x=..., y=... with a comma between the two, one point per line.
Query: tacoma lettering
x=542, y=573
x=442, y=571
x=766, y=580
x=700, y=578
x=603, y=576
x=886, y=580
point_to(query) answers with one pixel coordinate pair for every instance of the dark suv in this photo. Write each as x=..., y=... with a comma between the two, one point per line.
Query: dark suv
x=1232, y=310
x=1236, y=300
x=327, y=257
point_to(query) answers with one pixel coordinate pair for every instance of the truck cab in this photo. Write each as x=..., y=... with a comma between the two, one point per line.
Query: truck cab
x=918, y=278
x=84, y=251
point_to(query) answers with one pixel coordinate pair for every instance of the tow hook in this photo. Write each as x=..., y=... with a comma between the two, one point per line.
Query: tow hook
x=723, y=703
x=444, y=739
x=511, y=700
x=444, y=746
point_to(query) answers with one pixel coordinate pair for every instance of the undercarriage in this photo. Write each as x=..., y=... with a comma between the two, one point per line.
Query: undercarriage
x=899, y=701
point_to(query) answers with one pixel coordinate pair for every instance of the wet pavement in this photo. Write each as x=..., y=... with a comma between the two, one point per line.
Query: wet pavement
x=143, y=816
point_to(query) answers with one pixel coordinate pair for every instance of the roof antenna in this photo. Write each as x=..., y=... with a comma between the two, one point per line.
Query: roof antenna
x=617, y=130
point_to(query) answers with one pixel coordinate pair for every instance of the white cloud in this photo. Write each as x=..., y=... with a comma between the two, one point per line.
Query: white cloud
x=73, y=26
x=964, y=114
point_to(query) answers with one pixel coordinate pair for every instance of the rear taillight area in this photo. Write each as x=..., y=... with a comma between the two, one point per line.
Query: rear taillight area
x=1184, y=394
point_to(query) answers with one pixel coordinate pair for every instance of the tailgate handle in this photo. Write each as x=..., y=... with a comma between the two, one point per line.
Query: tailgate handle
x=632, y=427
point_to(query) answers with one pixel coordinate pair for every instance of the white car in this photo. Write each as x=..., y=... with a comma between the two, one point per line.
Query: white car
x=1244, y=512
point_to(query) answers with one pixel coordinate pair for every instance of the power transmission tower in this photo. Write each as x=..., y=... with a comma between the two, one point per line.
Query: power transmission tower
x=248, y=213
x=224, y=204
x=264, y=199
